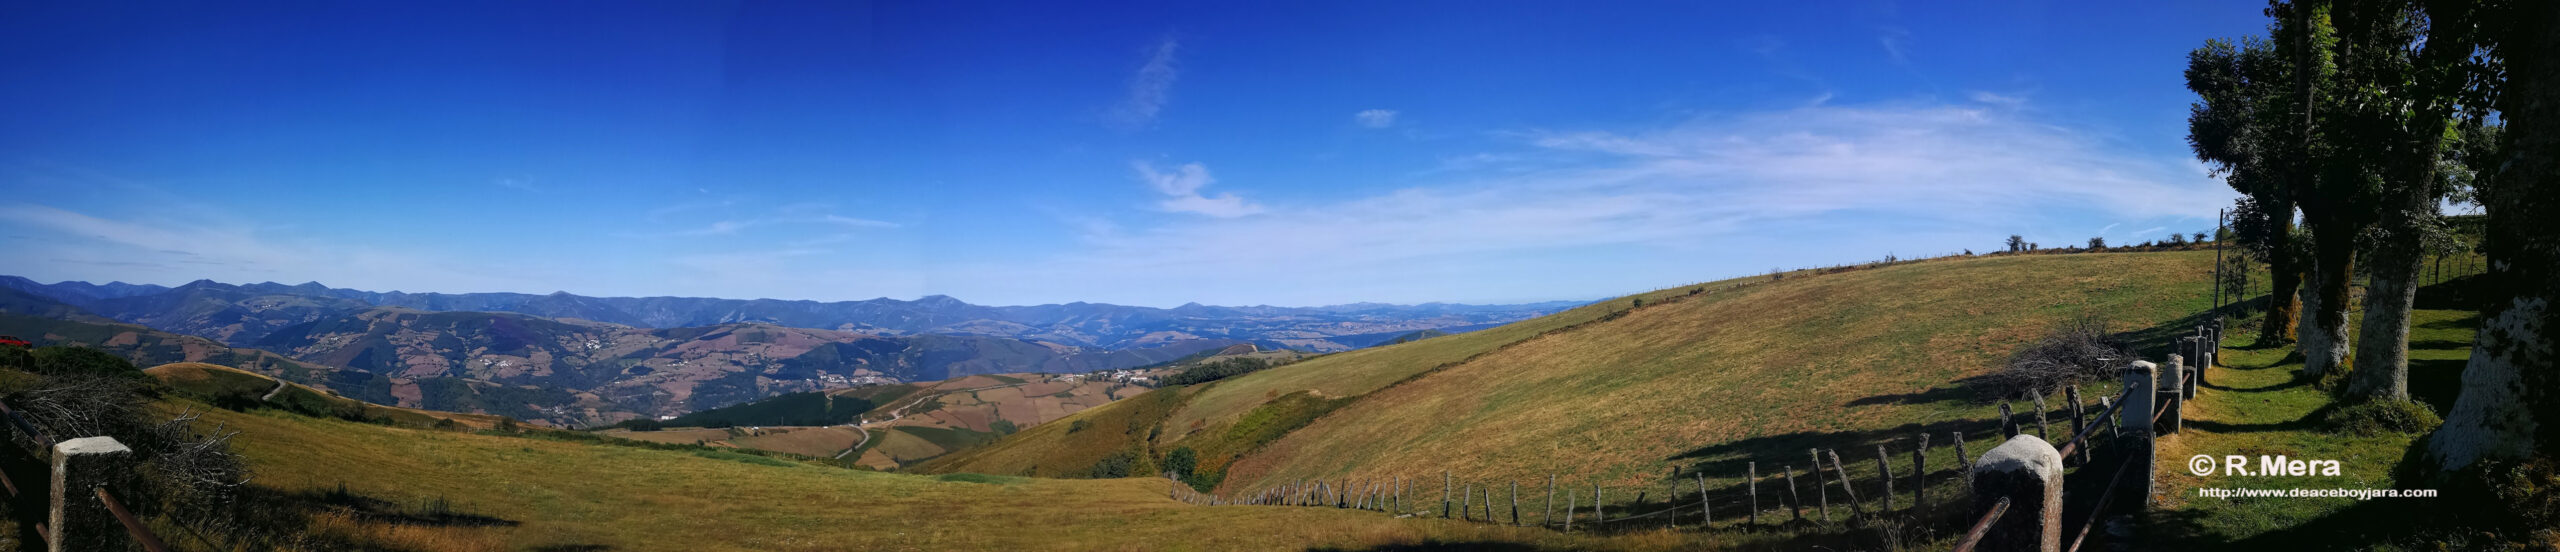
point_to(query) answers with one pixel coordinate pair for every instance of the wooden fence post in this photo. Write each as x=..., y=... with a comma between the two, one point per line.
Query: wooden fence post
x=1671, y=499
x=1515, y=503
x=2079, y=420
x=1599, y=517
x=1569, y=507
x=2114, y=430
x=2043, y=426
x=1467, y=502
x=1821, y=485
x=1444, y=494
x=1706, y=510
x=1550, y=517
x=1884, y=474
x=1751, y=484
x=2008, y=421
x=1795, y=502
x=1842, y=473
x=1920, y=474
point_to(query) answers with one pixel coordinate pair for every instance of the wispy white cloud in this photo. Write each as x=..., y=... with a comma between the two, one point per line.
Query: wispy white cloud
x=1149, y=89
x=1375, y=118
x=2001, y=100
x=517, y=183
x=1842, y=179
x=1897, y=44
x=1181, y=188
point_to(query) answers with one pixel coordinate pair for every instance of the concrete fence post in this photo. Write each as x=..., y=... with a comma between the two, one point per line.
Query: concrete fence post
x=2027, y=471
x=78, y=520
x=2172, y=394
x=2134, y=422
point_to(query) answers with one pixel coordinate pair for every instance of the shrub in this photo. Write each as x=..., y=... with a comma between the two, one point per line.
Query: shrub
x=1118, y=464
x=2070, y=353
x=1214, y=371
x=2379, y=417
x=1078, y=425
x=1181, y=461
x=82, y=360
x=2097, y=243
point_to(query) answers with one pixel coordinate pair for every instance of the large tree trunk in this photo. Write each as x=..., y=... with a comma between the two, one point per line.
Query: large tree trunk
x=2510, y=403
x=2382, y=343
x=2284, y=278
x=2324, y=340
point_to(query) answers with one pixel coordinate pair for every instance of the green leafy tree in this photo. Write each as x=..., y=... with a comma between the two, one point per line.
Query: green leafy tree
x=2097, y=244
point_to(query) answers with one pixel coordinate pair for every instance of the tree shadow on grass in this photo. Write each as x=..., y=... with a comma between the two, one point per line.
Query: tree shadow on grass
x=2308, y=421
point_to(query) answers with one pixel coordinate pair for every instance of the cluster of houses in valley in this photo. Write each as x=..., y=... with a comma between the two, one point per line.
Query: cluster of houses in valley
x=1136, y=377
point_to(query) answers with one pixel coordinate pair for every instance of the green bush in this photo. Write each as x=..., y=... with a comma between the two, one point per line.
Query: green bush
x=1118, y=464
x=82, y=360
x=2379, y=417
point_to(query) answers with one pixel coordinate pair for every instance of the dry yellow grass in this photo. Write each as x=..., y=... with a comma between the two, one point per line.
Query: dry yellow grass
x=565, y=494
x=1761, y=374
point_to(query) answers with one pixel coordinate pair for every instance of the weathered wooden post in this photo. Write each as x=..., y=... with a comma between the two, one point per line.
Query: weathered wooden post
x=1842, y=474
x=1795, y=502
x=2044, y=427
x=1706, y=510
x=2134, y=421
x=2171, y=395
x=1751, y=485
x=1671, y=498
x=1467, y=502
x=78, y=520
x=1599, y=517
x=2008, y=421
x=1920, y=473
x=2114, y=430
x=2028, y=472
x=1488, y=503
x=1569, y=507
x=2079, y=420
x=1884, y=476
x=1444, y=494
x=1821, y=485
x=1963, y=459
x=1515, y=503
x=1550, y=517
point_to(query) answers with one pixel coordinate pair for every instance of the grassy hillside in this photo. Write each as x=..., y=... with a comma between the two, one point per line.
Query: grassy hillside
x=494, y=492
x=237, y=389
x=1762, y=374
x=1607, y=394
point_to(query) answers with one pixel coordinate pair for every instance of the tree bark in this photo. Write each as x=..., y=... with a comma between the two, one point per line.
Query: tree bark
x=2324, y=339
x=2284, y=278
x=2382, y=344
x=2509, y=408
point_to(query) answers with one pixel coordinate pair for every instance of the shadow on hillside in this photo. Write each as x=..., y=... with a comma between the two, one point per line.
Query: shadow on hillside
x=1437, y=545
x=574, y=548
x=433, y=513
x=2456, y=294
x=1937, y=394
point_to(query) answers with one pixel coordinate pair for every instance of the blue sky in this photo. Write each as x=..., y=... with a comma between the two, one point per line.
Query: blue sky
x=1286, y=153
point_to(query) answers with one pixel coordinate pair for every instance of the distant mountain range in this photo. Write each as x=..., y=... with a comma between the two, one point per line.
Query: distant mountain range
x=242, y=314
x=574, y=360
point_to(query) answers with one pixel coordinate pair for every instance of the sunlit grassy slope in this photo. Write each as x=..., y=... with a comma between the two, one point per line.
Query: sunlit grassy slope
x=555, y=495
x=1710, y=381
x=1762, y=374
x=229, y=386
